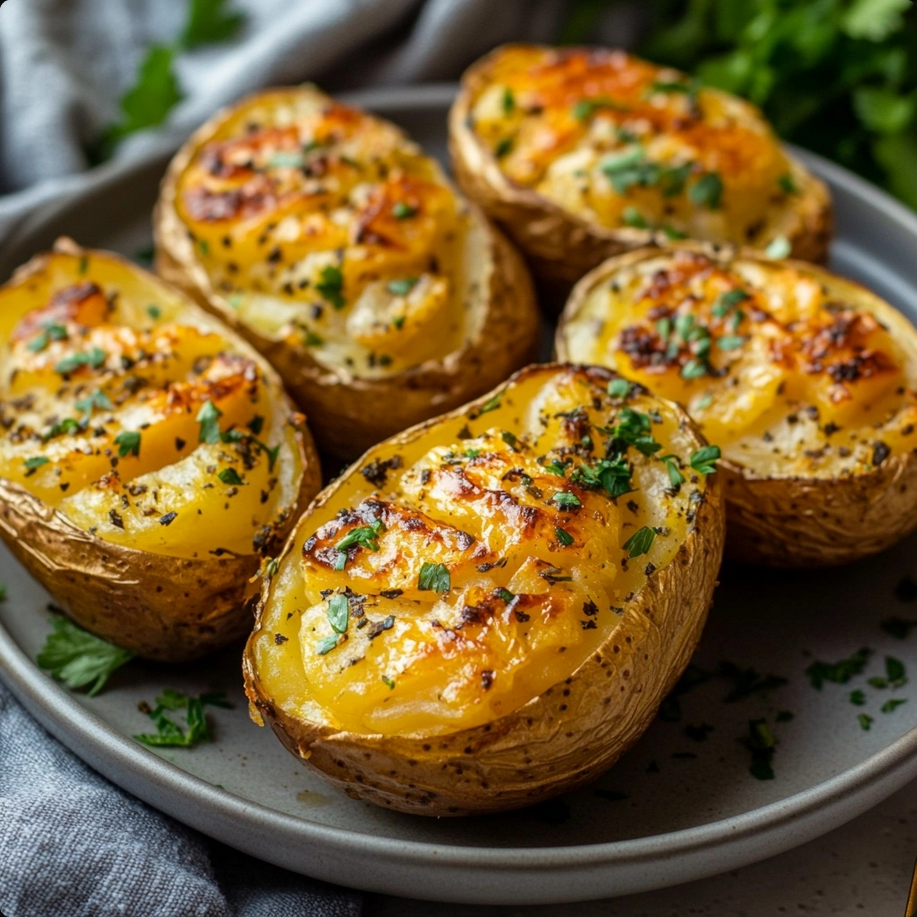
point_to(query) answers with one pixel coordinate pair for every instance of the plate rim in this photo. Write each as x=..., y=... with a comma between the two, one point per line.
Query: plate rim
x=136, y=769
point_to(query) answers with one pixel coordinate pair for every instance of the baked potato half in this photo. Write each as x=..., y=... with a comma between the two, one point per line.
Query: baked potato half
x=584, y=153
x=488, y=609
x=149, y=458
x=340, y=250
x=805, y=380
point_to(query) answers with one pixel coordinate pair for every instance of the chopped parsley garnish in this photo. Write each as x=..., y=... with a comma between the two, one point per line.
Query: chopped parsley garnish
x=611, y=474
x=747, y=682
x=634, y=429
x=503, y=147
x=326, y=644
x=78, y=658
x=402, y=287
x=230, y=476
x=556, y=467
x=640, y=542
x=727, y=301
x=389, y=682
x=619, y=388
x=170, y=733
x=507, y=101
x=788, y=184
x=689, y=89
x=857, y=698
x=694, y=369
x=311, y=339
x=633, y=218
x=509, y=438
x=97, y=399
x=434, y=577
x=402, y=211
x=778, y=248
x=837, y=672
x=704, y=460
x=731, y=341
x=564, y=500
x=491, y=404
x=398, y=321
x=338, y=613
x=154, y=312
x=95, y=358
x=128, y=443
x=628, y=168
x=51, y=332
x=203, y=246
x=472, y=453
x=675, y=476
x=707, y=191
x=564, y=537
x=892, y=704
x=67, y=425
x=504, y=594
x=586, y=108
x=364, y=536
x=761, y=743
x=33, y=464
x=865, y=721
x=894, y=670
x=331, y=285
x=208, y=417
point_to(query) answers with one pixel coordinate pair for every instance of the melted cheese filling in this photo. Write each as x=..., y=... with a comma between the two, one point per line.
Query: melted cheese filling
x=326, y=228
x=452, y=578
x=138, y=424
x=621, y=142
x=783, y=372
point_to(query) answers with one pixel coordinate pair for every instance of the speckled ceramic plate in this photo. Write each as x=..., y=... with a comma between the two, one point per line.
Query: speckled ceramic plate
x=681, y=805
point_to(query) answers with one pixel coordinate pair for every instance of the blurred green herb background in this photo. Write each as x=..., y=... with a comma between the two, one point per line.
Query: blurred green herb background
x=835, y=76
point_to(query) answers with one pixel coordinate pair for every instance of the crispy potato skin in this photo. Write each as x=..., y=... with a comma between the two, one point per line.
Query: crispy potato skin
x=559, y=740
x=561, y=245
x=350, y=410
x=784, y=515
x=165, y=608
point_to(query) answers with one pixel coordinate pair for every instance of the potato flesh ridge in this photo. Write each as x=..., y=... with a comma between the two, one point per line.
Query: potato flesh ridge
x=523, y=609
x=324, y=226
x=795, y=378
x=147, y=375
x=622, y=142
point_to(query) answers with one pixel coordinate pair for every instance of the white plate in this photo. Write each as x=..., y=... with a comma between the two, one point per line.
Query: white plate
x=697, y=812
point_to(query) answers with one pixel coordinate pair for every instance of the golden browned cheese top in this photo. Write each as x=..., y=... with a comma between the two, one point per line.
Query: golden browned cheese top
x=462, y=570
x=327, y=228
x=135, y=417
x=622, y=142
x=790, y=369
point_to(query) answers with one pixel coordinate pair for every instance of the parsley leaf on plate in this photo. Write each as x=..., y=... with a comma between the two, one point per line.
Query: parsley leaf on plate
x=78, y=658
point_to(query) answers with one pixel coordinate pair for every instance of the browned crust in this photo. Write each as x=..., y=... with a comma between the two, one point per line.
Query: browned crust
x=349, y=413
x=556, y=742
x=169, y=609
x=560, y=246
x=791, y=521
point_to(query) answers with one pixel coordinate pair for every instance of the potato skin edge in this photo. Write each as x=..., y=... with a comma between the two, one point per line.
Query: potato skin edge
x=554, y=743
x=792, y=521
x=163, y=608
x=560, y=246
x=347, y=413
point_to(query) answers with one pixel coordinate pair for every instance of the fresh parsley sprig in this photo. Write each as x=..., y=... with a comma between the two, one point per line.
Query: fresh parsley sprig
x=78, y=658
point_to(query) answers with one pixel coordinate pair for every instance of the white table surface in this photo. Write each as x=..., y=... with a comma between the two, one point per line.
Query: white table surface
x=862, y=869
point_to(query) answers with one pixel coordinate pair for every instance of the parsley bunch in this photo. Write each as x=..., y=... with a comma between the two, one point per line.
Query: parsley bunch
x=157, y=90
x=835, y=76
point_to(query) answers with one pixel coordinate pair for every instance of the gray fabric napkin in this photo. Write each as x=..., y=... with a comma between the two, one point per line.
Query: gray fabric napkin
x=71, y=844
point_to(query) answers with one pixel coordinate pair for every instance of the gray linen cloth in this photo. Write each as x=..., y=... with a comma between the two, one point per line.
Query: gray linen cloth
x=71, y=844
